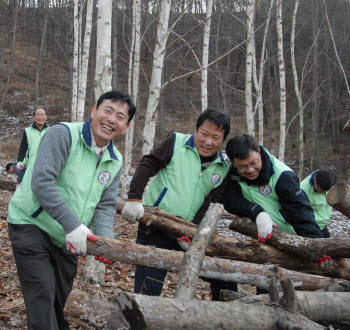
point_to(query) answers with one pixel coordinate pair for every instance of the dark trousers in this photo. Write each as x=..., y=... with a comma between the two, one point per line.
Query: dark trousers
x=46, y=275
x=149, y=281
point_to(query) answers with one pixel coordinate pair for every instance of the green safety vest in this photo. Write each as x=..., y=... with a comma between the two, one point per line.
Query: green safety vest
x=266, y=195
x=81, y=183
x=318, y=201
x=34, y=136
x=181, y=187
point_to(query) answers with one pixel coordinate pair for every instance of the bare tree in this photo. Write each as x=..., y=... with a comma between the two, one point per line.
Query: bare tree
x=205, y=58
x=282, y=76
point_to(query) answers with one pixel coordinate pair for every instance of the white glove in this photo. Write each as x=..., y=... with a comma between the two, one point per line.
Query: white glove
x=264, y=224
x=19, y=166
x=76, y=241
x=133, y=211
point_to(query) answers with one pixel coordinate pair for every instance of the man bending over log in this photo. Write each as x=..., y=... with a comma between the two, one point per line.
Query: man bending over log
x=185, y=168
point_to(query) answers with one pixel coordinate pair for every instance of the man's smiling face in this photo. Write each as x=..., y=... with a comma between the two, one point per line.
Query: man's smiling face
x=109, y=121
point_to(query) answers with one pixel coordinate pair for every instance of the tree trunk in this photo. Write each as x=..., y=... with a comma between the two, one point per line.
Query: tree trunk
x=133, y=83
x=8, y=185
x=307, y=248
x=192, y=261
x=155, y=85
x=215, y=268
x=96, y=313
x=41, y=51
x=339, y=197
x=103, y=73
x=249, y=66
x=298, y=94
x=282, y=76
x=84, y=63
x=229, y=247
x=205, y=58
x=144, y=312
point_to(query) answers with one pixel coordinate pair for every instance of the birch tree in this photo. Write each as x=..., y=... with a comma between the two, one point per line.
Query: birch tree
x=282, y=80
x=297, y=93
x=75, y=64
x=133, y=87
x=250, y=12
x=41, y=49
x=157, y=68
x=205, y=58
x=84, y=62
x=258, y=80
x=103, y=72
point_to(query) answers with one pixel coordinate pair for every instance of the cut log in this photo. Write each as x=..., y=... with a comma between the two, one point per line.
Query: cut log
x=97, y=313
x=147, y=312
x=347, y=126
x=308, y=248
x=339, y=198
x=214, y=268
x=229, y=247
x=192, y=261
x=8, y=185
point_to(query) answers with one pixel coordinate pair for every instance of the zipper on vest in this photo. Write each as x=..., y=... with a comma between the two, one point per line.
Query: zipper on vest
x=194, y=193
x=88, y=195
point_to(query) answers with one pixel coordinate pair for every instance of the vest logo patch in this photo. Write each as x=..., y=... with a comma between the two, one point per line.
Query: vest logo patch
x=104, y=177
x=216, y=178
x=265, y=190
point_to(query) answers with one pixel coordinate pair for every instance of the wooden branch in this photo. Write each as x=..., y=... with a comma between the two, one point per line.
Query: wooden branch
x=147, y=312
x=8, y=185
x=308, y=248
x=339, y=197
x=192, y=261
x=96, y=313
x=229, y=247
x=215, y=268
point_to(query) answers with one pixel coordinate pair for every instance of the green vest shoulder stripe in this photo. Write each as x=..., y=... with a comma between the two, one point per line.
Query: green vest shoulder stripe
x=181, y=187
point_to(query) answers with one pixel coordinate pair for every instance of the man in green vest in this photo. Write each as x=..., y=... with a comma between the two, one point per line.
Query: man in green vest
x=316, y=187
x=184, y=168
x=30, y=140
x=264, y=189
x=72, y=186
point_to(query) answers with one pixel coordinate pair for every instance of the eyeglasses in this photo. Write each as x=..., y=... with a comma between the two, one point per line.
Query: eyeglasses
x=245, y=168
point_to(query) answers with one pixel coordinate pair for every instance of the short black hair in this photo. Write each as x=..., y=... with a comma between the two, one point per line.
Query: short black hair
x=240, y=146
x=218, y=117
x=34, y=111
x=121, y=97
x=8, y=165
x=326, y=178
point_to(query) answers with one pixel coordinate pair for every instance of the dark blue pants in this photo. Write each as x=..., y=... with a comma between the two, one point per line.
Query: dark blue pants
x=149, y=281
x=46, y=275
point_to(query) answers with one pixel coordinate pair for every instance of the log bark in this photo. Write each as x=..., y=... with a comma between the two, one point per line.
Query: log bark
x=229, y=247
x=307, y=248
x=8, y=185
x=146, y=312
x=96, y=313
x=339, y=198
x=192, y=261
x=215, y=268
x=347, y=126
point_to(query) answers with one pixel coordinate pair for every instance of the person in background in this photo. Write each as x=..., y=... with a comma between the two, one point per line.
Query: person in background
x=14, y=168
x=31, y=138
x=72, y=186
x=184, y=168
x=316, y=187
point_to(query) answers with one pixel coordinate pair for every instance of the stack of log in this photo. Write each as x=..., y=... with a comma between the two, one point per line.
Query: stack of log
x=282, y=266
